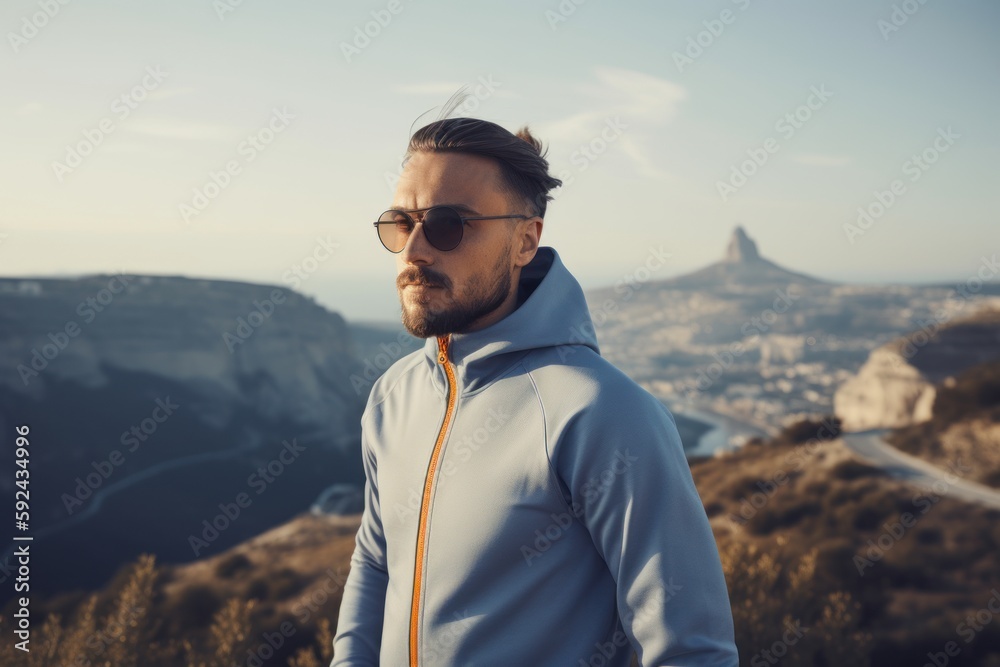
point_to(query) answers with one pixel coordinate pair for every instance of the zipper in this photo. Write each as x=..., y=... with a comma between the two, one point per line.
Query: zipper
x=425, y=500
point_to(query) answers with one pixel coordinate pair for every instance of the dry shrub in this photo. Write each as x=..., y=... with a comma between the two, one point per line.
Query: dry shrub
x=770, y=600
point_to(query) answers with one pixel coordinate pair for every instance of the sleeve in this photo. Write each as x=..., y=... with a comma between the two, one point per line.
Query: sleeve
x=627, y=474
x=358, y=638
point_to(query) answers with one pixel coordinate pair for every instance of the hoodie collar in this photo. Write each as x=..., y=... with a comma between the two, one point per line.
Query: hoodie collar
x=552, y=312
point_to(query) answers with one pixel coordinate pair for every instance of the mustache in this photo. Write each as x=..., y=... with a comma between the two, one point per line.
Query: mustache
x=417, y=276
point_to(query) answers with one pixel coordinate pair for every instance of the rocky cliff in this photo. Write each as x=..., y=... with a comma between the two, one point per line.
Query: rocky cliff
x=153, y=402
x=896, y=385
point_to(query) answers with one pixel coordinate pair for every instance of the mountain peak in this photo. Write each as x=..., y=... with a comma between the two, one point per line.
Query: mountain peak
x=741, y=247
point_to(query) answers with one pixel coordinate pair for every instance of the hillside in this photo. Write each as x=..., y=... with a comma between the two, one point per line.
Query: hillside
x=800, y=520
x=153, y=401
x=808, y=534
x=964, y=425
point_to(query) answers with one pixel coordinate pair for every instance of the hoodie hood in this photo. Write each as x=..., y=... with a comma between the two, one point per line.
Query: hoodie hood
x=553, y=312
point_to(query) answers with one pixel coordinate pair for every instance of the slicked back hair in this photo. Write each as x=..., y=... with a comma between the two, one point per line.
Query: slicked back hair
x=524, y=171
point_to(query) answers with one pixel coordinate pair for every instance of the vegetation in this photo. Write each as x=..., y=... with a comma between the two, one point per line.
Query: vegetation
x=965, y=427
x=129, y=635
x=807, y=531
x=828, y=562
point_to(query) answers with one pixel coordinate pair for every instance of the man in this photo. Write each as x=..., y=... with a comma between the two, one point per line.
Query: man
x=526, y=503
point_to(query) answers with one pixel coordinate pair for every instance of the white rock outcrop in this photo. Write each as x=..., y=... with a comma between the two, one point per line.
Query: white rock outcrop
x=887, y=392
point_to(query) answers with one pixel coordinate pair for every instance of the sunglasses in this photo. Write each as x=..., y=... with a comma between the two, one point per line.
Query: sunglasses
x=443, y=226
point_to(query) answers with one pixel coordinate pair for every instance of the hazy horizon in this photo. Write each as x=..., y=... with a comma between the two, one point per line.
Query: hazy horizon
x=373, y=298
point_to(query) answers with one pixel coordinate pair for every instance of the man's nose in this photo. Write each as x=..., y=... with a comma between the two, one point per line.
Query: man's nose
x=417, y=249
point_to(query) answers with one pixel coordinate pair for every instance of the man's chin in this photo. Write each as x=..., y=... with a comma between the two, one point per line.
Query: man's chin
x=419, y=320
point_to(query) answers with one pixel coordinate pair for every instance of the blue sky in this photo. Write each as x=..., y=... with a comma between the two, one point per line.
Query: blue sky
x=314, y=136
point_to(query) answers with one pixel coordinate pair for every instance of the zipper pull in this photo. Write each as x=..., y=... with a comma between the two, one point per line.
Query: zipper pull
x=443, y=349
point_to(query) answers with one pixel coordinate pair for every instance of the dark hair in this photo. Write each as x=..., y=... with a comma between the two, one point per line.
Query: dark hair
x=523, y=167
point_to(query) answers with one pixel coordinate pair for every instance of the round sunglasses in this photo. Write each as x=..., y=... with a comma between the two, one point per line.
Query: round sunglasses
x=443, y=226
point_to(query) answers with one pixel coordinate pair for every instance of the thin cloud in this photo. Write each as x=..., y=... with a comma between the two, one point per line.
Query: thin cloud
x=643, y=164
x=642, y=102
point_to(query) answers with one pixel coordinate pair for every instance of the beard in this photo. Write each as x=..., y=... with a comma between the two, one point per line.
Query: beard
x=485, y=293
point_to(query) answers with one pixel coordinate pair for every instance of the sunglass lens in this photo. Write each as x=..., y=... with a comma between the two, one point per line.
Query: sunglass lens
x=393, y=229
x=443, y=226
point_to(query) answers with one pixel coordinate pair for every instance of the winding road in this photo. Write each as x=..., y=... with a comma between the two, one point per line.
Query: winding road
x=870, y=446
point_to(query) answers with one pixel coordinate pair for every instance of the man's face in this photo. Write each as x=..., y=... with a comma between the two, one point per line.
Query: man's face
x=471, y=286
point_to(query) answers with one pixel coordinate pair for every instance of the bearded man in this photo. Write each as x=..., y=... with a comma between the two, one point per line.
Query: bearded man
x=526, y=503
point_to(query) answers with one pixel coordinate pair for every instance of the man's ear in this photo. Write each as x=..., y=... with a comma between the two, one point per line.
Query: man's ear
x=526, y=241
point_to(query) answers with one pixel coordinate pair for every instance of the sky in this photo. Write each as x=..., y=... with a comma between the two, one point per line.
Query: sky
x=249, y=140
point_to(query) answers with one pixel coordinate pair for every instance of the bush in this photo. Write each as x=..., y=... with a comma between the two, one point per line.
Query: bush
x=854, y=469
x=779, y=514
x=258, y=590
x=806, y=430
x=197, y=605
x=230, y=565
x=286, y=583
x=974, y=390
x=930, y=536
x=868, y=518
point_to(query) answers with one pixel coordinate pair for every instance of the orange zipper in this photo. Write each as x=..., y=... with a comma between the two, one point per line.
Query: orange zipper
x=425, y=501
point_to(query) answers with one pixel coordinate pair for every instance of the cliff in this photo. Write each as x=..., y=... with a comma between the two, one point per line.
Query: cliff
x=154, y=401
x=896, y=385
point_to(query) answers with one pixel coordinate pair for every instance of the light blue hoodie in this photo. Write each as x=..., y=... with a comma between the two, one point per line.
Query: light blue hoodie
x=527, y=503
